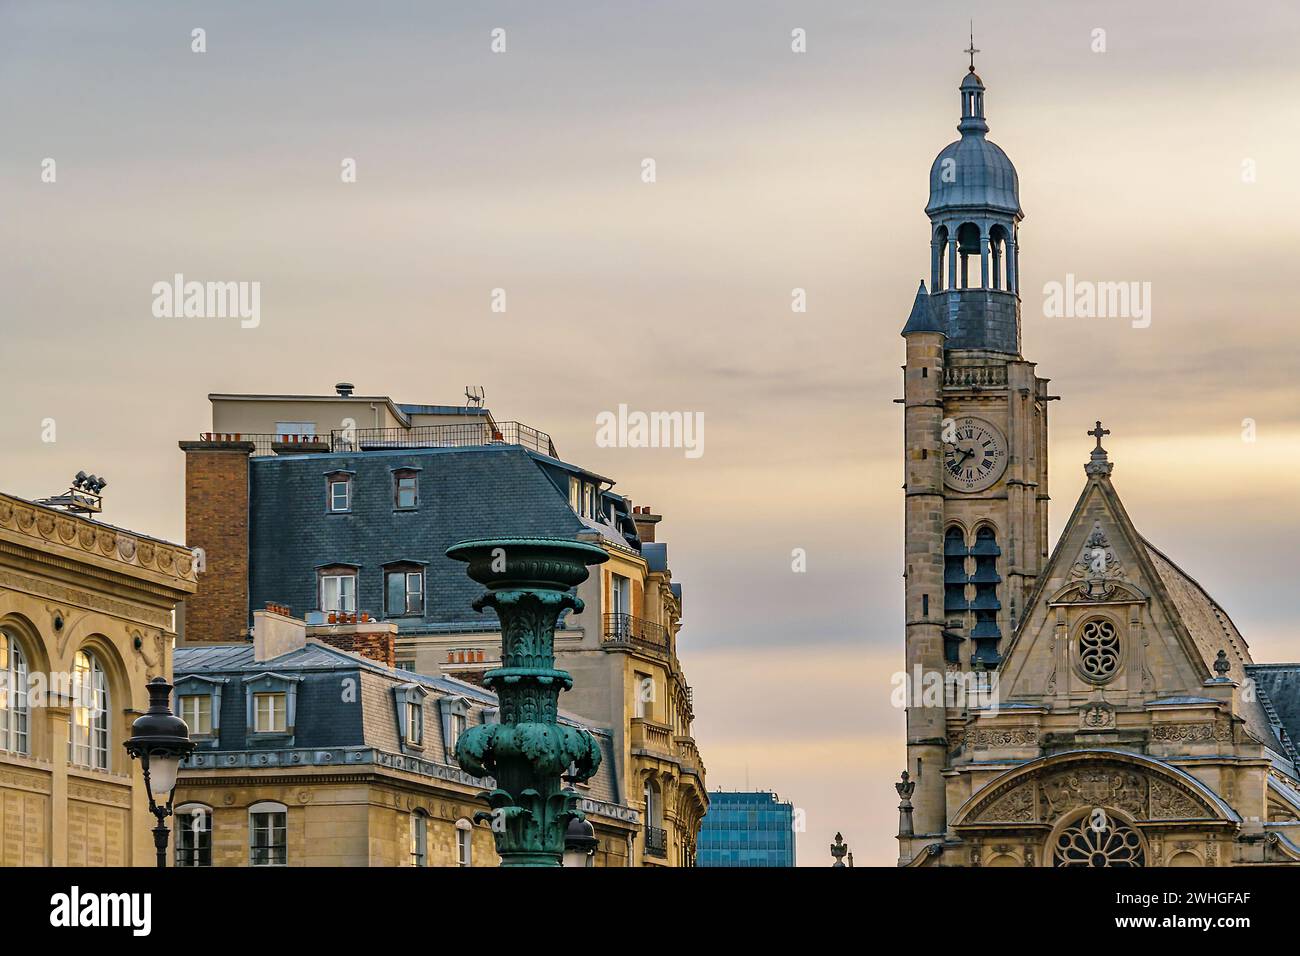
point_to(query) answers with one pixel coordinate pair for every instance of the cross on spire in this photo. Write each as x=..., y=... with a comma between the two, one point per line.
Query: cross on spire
x=1098, y=432
x=971, y=49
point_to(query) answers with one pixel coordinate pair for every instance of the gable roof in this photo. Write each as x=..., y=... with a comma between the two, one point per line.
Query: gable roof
x=1200, y=623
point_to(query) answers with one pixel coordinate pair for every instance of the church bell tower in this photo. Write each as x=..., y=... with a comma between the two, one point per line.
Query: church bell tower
x=975, y=445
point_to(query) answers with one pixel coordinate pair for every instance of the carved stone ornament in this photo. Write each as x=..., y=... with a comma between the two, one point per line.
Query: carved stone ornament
x=1097, y=567
x=1051, y=793
x=1097, y=716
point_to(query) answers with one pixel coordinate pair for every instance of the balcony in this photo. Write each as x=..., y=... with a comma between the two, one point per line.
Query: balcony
x=656, y=842
x=651, y=737
x=688, y=756
x=345, y=441
x=627, y=631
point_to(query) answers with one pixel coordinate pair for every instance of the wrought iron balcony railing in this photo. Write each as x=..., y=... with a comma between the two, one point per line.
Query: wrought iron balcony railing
x=656, y=841
x=626, y=629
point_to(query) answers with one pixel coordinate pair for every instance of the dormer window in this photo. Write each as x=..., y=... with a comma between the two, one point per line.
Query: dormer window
x=338, y=492
x=575, y=495
x=338, y=589
x=403, y=590
x=406, y=489
x=409, y=699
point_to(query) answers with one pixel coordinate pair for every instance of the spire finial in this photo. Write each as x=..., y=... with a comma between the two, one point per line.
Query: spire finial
x=1098, y=464
x=971, y=49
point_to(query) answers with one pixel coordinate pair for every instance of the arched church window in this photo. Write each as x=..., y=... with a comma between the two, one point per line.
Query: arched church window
x=1099, y=650
x=1098, y=839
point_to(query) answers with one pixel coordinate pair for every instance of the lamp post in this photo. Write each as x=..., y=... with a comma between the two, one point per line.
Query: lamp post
x=580, y=843
x=160, y=741
x=528, y=582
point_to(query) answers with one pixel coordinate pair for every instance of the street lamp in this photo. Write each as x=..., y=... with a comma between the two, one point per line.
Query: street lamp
x=580, y=843
x=160, y=741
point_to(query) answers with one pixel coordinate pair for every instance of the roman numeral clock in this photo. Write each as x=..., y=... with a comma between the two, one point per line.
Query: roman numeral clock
x=975, y=457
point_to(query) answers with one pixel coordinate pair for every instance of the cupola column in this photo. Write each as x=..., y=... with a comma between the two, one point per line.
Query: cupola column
x=984, y=261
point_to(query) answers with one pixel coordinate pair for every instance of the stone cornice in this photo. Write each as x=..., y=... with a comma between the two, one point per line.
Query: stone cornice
x=61, y=540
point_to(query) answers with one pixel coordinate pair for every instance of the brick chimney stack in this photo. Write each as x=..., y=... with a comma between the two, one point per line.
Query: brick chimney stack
x=376, y=640
x=645, y=522
x=216, y=520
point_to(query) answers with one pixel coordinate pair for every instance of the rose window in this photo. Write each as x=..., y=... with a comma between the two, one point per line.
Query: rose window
x=1098, y=650
x=1098, y=840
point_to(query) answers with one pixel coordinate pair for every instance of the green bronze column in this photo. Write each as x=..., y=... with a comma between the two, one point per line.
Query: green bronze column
x=528, y=582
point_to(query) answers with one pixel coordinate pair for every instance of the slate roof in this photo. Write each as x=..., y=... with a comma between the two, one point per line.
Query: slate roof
x=1212, y=630
x=325, y=720
x=475, y=492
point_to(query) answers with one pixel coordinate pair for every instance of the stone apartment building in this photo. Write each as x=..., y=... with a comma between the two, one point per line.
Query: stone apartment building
x=313, y=750
x=370, y=512
x=86, y=620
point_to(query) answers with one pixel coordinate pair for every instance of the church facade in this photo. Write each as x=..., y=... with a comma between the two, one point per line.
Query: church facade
x=1092, y=704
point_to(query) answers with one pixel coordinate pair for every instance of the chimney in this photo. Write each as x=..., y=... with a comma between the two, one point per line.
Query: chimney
x=645, y=523
x=216, y=520
x=344, y=389
x=275, y=632
x=376, y=640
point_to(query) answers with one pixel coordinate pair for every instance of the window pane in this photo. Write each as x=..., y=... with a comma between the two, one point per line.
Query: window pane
x=415, y=593
x=406, y=491
x=396, y=594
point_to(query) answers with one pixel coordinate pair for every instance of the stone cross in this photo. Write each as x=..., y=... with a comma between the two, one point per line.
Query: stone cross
x=1099, y=432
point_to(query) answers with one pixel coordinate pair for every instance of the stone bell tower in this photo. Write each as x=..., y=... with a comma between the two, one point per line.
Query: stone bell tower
x=975, y=445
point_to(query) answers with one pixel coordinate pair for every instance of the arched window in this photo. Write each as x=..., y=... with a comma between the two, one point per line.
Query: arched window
x=193, y=835
x=968, y=245
x=939, y=260
x=14, y=717
x=999, y=276
x=419, y=838
x=1098, y=840
x=268, y=834
x=88, y=732
x=464, y=843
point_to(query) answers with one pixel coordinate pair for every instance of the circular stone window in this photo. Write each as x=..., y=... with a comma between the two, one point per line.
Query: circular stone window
x=1097, y=839
x=1098, y=650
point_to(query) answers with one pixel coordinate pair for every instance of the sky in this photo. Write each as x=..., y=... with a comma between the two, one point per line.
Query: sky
x=1169, y=157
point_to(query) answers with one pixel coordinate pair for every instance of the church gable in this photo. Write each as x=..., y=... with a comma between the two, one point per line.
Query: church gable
x=1102, y=624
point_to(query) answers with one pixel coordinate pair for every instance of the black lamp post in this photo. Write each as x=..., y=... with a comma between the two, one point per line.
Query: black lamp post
x=160, y=740
x=580, y=843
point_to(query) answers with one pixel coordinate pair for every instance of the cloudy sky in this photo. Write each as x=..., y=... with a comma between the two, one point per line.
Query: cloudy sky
x=1169, y=158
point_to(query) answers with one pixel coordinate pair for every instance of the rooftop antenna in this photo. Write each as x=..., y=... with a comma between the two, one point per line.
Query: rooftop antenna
x=474, y=396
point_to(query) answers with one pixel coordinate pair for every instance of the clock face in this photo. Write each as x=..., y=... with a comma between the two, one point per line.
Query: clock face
x=976, y=457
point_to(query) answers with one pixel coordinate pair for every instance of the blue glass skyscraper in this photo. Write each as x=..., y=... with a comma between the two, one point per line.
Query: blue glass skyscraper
x=746, y=829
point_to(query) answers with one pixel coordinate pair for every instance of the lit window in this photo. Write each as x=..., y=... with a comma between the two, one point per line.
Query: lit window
x=193, y=835
x=196, y=711
x=269, y=713
x=338, y=592
x=340, y=493
x=464, y=843
x=575, y=494
x=405, y=490
x=404, y=592
x=88, y=732
x=268, y=835
x=419, y=839
x=14, y=715
x=588, y=500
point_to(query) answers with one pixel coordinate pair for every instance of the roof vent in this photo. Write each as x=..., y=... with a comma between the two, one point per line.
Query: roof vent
x=344, y=389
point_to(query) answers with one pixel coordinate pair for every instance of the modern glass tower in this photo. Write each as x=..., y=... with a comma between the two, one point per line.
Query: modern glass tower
x=747, y=829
